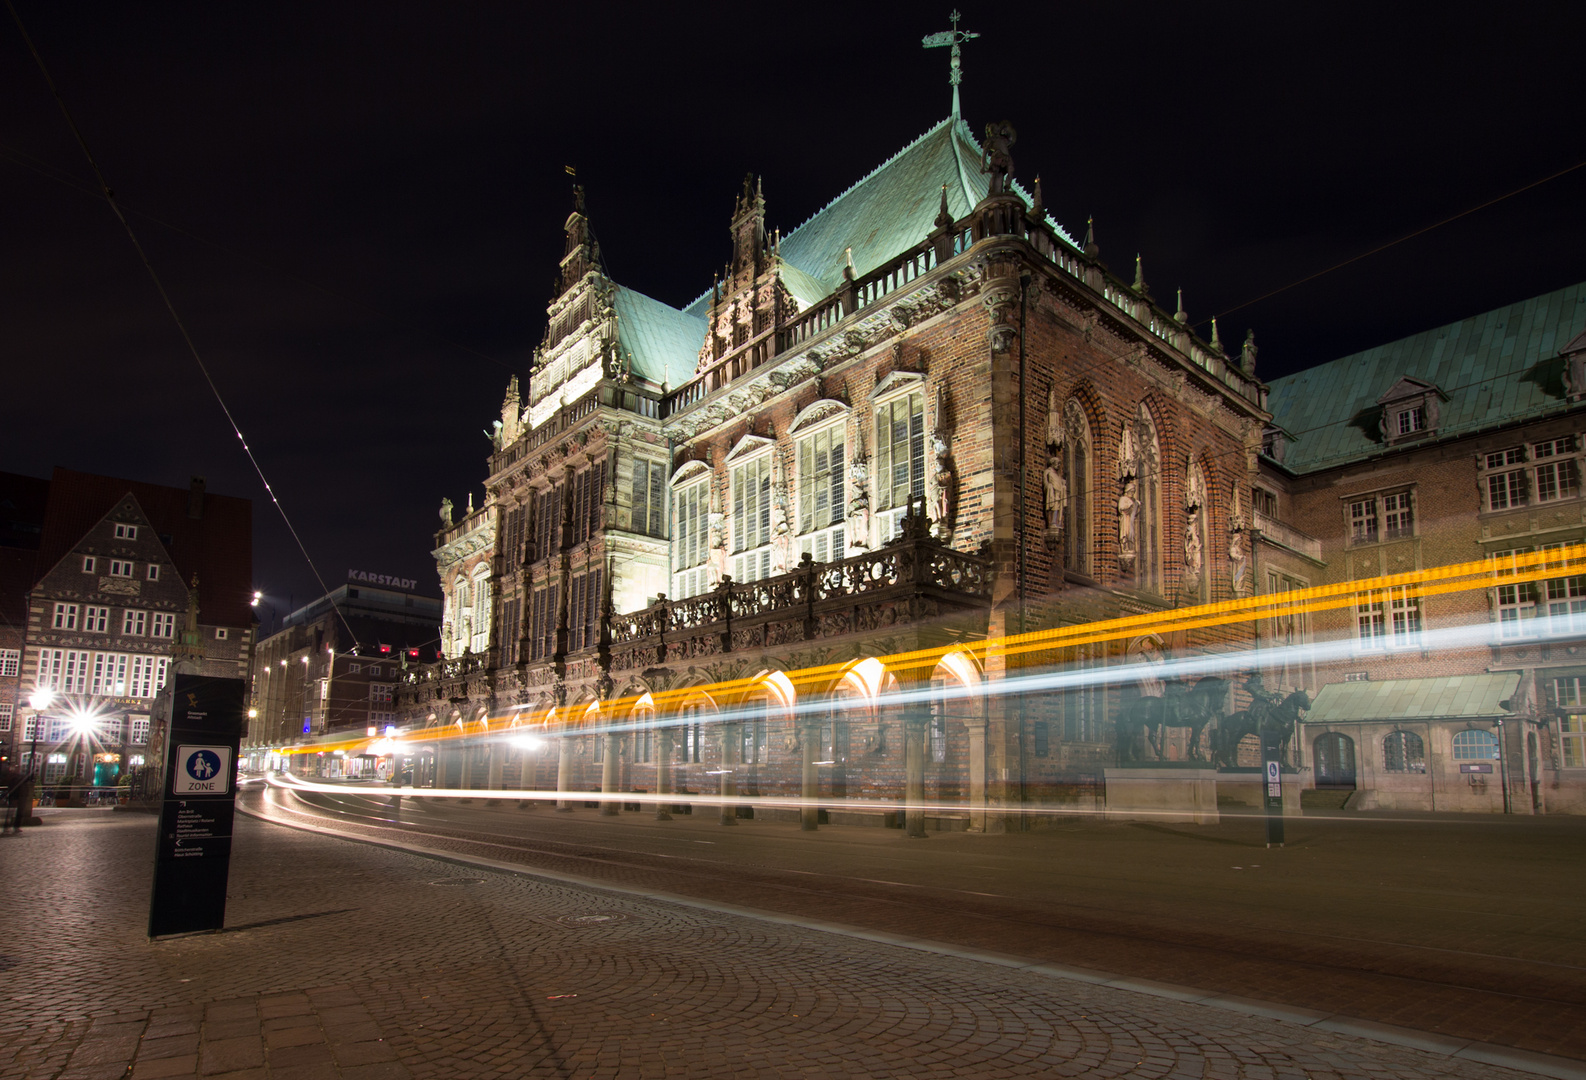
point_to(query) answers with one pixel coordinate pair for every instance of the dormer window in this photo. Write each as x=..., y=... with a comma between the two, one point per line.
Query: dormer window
x=1409, y=410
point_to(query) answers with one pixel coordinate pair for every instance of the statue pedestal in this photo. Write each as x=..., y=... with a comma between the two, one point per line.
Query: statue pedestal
x=1243, y=790
x=1165, y=794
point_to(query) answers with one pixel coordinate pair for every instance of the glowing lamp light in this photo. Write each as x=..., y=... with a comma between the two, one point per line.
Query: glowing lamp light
x=526, y=742
x=390, y=729
x=256, y=598
x=83, y=723
x=41, y=698
x=384, y=747
x=253, y=714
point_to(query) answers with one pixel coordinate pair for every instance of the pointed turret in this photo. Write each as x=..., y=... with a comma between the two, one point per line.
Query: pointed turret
x=748, y=232
x=1038, y=208
x=1092, y=249
x=1139, y=285
x=944, y=216
x=1181, y=316
x=1216, y=342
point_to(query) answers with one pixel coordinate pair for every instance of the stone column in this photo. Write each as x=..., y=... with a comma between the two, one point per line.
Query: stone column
x=468, y=751
x=609, y=774
x=498, y=755
x=977, y=775
x=810, y=748
x=663, y=773
x=729, y=781
x=564, y=771
x=916, y=716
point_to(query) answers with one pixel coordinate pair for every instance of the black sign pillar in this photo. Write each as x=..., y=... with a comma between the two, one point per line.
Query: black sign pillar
x=193, y=855
x=1272, y=780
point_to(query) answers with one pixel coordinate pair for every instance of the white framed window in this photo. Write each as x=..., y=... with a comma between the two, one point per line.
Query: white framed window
x=109, y=675
x=1390, y=621
x=120, y=568
x=1515, y=604
x=140, y=730
x=134, y=623
x=821, y=489
x=163, y=624
x=1566, y=605
x=65, y=617
x=1504, y=483
x=10, y=663
x=6, y=711
x=154, y=572
x=480, y=621
x=110, y=730
x=691, y=539
x=96, y=620
x=1475, y=745
x=1363, y=521
x=1398, y=519
x=1412, y=420
x=146, y=675
x=353, y=669
x=649, y=484
x=751, y=519
x=126, y=532
x=900, y=457
x=88, y=564
x=1557, y=472
x=51, y=664
x=380, y=694
x=221, y=633
x=30, y=728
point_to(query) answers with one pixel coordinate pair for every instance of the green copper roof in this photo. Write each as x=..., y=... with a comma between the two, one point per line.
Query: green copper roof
x=1496, y=368
x=1456, y=697
x=663, y=341
x=885, y=214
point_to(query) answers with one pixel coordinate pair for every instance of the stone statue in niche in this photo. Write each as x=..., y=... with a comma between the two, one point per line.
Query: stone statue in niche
x=781, y=524
x=716, y=568
x=1128, y=522
x=997, y=158
x=859, y=505
x=1238, y=557
x=446, y=513
x=943, y=475
x=1128, y=454
x=1056, y=488
x=1194, y=554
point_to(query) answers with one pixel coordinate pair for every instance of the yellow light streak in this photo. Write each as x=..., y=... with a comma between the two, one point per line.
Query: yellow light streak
x=1434, y=581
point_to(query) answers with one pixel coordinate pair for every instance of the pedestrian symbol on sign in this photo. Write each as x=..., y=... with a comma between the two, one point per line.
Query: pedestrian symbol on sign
x=202, y=768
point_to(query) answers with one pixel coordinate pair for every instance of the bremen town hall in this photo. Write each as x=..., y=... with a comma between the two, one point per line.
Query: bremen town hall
x=808, y=548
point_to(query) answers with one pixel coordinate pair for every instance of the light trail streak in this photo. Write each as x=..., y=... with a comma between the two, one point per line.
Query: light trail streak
x=1435, y=581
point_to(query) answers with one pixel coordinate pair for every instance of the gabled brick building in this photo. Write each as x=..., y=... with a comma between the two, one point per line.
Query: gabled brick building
x=127, y=578
x=924, y=416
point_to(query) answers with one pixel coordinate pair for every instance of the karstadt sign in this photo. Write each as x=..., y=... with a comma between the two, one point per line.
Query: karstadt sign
x=367, y=578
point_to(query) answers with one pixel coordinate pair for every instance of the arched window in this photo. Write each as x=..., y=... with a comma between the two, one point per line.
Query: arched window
x=1403, y=751
x=1474, y=745
x=1139, y=502
x=480, y=639
x=1076, y=472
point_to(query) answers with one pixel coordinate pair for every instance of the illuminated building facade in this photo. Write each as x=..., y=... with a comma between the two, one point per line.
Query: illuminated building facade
x=128, y=579
x=925, y=416
x=1460, y=443
x=333, y=668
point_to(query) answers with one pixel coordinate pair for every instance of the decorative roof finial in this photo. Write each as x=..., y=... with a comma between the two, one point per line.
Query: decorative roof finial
x=944, y=216
x=1038, y=208
x=1217, y=342
x=954, y=37
x=1181, y=316
x=1139, y=276
x=1092, y=248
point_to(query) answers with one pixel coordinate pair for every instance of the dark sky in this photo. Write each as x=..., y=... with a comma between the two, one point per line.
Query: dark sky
x=359, y=206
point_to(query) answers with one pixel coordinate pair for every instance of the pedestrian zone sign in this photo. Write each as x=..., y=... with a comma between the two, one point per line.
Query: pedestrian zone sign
x=202, y=769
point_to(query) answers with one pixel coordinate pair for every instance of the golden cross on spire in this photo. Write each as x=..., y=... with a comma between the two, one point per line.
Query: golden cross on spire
x=954, y=37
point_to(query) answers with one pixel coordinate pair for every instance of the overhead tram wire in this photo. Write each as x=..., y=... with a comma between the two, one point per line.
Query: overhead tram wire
x=44, y=169
x=1392, y=243
x=192, y=348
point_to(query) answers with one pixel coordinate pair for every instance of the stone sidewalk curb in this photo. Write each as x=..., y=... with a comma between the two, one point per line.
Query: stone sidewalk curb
x=1507, y=1057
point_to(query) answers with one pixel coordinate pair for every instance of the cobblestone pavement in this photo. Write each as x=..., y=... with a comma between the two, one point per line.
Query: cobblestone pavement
x=358, y=962
x=1464, y=926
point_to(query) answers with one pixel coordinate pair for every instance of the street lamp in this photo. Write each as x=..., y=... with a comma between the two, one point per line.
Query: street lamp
x=40, y=700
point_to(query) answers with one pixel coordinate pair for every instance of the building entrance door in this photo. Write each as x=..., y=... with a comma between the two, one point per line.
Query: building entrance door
x=1335, y=762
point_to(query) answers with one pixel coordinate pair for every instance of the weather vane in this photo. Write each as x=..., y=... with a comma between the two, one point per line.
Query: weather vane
x=954, y=37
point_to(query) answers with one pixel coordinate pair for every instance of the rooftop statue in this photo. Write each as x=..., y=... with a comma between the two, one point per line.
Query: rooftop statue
x=998, y=158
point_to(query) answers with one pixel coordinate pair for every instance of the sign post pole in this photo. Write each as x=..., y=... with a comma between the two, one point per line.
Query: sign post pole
x=193, y=852
x=1272, y=767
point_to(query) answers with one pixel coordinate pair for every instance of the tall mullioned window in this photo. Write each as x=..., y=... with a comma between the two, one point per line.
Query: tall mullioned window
x=1076, y=473
x=691, y=539
x=649, y=481
x=751, y=519
x=821, y=507
x=900, y=457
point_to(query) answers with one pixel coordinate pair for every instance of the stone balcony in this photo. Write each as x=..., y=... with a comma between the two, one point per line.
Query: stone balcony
x=908, y=586
x=1276, y=532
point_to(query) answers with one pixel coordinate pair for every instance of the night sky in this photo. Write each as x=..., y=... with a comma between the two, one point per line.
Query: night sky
x=358, y=209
